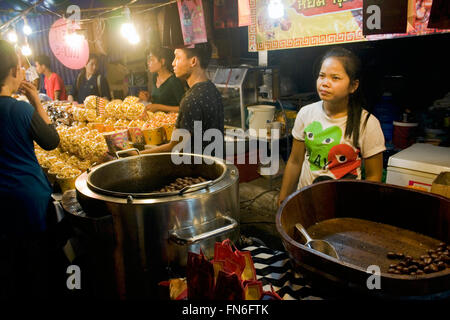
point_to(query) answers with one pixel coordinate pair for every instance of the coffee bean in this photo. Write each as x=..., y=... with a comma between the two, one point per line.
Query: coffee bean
x=397, y=272
x=433, y=256
x=403, y=264
x=399, y=268
x=441, y=265
x=434, y=267
x=427, y=269
x=400, y=255
x=412, y=273
x=391, y=270
x=408, y=258
x=423, y=257
x=391, y=255
x=420, y=272
x=391, y=266
x=413, y=268
x=442, y=244
x=415, y=262
x=427, y=261
x=430, y=251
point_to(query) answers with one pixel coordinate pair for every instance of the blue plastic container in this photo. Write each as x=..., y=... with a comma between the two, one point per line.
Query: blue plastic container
x=387, y=112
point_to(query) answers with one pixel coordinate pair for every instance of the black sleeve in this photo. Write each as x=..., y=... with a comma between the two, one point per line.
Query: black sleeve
x=74, y=91
x=44, y=134
x=105, y=88
x=190, y=111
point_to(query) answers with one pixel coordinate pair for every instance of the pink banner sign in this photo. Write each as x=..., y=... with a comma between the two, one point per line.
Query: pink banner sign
x=192, y=21
x=72, y=53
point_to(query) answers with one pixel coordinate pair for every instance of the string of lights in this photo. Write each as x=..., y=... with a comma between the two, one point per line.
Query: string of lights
x=73, y=36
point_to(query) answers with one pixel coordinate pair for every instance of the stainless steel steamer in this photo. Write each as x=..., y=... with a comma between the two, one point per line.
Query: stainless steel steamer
x=152, y=231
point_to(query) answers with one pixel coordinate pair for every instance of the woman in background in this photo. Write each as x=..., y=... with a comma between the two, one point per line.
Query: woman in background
x=167, y=90
x=90, y=82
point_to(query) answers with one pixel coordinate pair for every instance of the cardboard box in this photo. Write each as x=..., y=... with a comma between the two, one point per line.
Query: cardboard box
x=441, y=185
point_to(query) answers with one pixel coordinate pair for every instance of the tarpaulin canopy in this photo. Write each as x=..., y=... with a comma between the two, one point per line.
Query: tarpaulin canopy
x=14, y=7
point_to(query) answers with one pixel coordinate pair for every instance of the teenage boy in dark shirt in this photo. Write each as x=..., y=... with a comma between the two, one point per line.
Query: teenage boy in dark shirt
x=201, y=105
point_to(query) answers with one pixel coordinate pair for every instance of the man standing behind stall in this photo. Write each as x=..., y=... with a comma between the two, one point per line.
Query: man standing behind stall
x=90, y=82
x=54, y=85
x=202, y=103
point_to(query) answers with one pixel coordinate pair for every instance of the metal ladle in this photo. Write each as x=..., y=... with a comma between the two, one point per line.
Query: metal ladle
x=318, y=245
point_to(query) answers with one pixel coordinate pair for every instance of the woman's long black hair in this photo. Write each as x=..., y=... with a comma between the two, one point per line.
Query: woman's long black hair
x=9, y=60
x=352, y=66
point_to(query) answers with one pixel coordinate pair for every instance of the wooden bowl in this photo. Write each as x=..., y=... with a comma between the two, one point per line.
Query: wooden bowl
x=364, y=221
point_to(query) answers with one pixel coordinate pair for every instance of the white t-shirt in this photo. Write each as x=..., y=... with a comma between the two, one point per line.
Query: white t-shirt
x=329, y=153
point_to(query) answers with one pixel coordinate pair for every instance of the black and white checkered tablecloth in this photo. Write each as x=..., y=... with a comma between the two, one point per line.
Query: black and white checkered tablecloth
x=274, y=268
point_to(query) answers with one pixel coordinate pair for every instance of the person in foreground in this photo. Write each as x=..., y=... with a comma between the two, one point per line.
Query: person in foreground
x=334, y=136
x=25, y=193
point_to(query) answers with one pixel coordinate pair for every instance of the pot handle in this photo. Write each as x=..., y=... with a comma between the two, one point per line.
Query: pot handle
x=196, y=187
x=127, y=150
x=174, y=235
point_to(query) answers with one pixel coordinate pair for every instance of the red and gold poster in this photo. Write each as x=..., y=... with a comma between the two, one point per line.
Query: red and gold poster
x=284, y=24
x=304, y=23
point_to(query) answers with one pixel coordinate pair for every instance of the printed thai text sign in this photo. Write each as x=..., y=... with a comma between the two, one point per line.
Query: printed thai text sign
x=304, y=23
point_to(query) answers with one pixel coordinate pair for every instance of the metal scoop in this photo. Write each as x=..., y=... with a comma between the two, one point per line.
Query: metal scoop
x=318, y=245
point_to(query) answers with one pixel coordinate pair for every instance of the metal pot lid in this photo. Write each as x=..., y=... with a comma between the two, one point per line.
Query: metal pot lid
x=139, y=176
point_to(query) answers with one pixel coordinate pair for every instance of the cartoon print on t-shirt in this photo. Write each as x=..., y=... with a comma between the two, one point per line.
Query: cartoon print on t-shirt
x=343, y=160
x=319, y=142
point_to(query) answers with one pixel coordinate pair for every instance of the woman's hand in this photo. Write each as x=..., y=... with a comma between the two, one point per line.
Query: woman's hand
x=292, y=171
x=374, y=167
x=144, y=95
x=30, y=91
x=153, y=107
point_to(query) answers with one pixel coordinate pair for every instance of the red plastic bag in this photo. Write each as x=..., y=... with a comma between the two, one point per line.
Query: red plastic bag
x=253, y=289
x=232, y=260
x=228, y=287
x=231, y=275
x=200, y=277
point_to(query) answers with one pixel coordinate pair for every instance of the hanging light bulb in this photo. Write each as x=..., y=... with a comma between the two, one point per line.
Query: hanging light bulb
x=26, y=28
x=74, y=40
x=127, y=30
x=12, y=36
x=26, y=50
x=276, y=9
x=134, y=39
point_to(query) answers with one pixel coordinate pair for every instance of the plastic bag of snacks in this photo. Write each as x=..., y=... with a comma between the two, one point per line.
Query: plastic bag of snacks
x=229, y=276
x=131, y=99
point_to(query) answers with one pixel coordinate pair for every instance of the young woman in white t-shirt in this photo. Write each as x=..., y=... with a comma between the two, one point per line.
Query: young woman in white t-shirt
x=334, y=136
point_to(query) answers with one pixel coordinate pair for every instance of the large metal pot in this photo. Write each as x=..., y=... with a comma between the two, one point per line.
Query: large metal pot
x=154, y=231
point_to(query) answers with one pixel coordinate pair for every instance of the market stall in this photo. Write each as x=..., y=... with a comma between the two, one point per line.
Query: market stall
x=142, y=224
